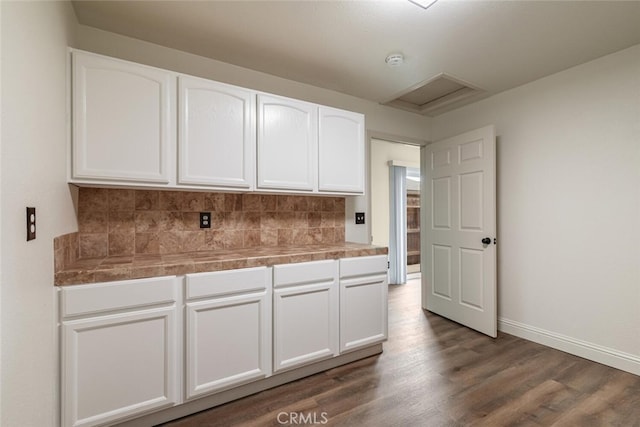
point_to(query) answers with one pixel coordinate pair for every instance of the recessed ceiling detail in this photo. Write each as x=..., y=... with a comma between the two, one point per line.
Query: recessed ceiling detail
x=432, y=95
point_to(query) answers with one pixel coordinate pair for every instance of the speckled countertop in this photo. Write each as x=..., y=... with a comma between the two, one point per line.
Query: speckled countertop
x=106, y=269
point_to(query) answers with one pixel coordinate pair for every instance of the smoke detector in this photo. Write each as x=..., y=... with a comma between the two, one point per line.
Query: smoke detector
x=395, y=59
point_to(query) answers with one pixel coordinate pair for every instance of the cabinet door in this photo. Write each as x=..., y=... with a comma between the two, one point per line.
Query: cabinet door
x=305, y=324
x=287, y=143
x=119, y=365
x=340, y=151
x=217, y=134
x=363, y=311
x=123, y=120
x=228, y=342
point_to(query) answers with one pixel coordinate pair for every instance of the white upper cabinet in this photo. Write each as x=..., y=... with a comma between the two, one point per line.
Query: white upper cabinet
x=217, y=134
x=123, y=121
x=340, y=151
x=287, y=144
x=131, y=126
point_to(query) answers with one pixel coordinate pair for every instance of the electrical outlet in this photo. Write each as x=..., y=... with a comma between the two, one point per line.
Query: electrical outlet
x=205, y=219
x=31, y=224
x=359, y=217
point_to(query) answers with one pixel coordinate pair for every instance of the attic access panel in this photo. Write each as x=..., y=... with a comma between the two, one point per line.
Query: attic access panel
x=431, y=95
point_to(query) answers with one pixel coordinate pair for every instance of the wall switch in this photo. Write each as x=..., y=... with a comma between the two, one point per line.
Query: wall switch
x=359, y=217
x=31, y=224
x=205, y=219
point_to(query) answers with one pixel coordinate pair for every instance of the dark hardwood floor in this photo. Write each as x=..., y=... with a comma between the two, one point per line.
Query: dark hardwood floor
x=434, y=372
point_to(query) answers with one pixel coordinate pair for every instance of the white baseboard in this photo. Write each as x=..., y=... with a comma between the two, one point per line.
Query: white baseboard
x=597, y=353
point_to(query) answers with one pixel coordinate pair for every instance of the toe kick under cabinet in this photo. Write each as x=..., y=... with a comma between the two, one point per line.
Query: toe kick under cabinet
x=135, y=347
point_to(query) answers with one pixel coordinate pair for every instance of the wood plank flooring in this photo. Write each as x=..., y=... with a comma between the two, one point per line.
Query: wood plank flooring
x=434, y=373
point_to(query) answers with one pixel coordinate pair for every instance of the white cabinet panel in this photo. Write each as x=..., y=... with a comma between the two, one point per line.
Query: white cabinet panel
x=123, y=121
x=363, y=302
x=217, y=134
x=118, y=365
x=287, y=144
x=340, y=151
x=228, y=334
x=305, y=318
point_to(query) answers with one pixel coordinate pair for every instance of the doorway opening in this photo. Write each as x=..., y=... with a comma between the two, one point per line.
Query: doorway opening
x=395, y=205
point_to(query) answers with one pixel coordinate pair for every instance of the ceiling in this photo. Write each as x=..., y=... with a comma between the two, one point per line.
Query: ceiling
x=490, y=46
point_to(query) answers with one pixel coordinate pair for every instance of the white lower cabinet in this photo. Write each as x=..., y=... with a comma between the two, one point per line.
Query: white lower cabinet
x=228, y=329
x=305, y=313
x=119, y=350
x=128, y=347
x=363, y=301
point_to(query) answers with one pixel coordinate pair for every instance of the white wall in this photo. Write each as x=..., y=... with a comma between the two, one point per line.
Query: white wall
x=381, y=153
x=379, y=119
x=569, y=206
x=33, y=157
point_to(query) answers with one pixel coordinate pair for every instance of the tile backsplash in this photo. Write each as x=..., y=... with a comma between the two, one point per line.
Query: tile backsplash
x=121, y=222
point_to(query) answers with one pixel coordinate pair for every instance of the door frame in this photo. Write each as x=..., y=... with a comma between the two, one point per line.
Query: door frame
x=392, y=138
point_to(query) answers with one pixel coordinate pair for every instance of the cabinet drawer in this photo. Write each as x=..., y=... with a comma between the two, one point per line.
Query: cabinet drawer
x=305, y=272
x=227, y=282
x=362, y=266
x=100, y=297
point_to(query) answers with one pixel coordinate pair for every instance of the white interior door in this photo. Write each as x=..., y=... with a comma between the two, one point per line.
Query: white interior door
x=459, y=205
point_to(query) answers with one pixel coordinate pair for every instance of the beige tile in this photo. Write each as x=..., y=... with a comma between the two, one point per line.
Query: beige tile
x=192, y=202
x=314, y=219
x=193, y=241
x=122, y=222
x=285, y=236
x=214, y=239
x=147, y=221
x=233, y=239
x=90, y=221
x=251, y=238
x=339, y=235
x=170, y=221
x=170, y=242
x=328, y=204
x=170, y=200
x=328, y=236
x=147, y=243
x=300, y=236
x=285, y=203
x=147, y=200
x=93, y=199
x=251, y=220
x=339, y=204
x=251, y=202
x=300, y=203
x=121, y=244
x=269, y=237
x=268, y=203
x=232, y=220
x=269, y=220
x=214, y=202
x=93, y=245
x=314, y=204
x=232, y=202
x=326, y=219
x=121, y=200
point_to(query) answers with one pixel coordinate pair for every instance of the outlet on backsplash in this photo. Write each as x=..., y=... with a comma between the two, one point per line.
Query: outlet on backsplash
x=123, y=222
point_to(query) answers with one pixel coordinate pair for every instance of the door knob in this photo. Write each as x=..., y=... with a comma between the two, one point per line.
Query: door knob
x=486, y=241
